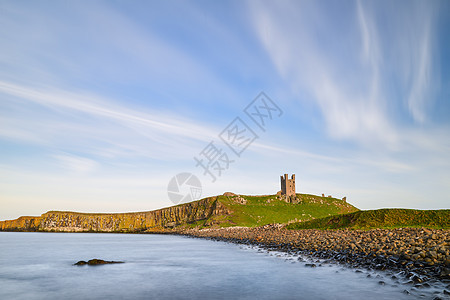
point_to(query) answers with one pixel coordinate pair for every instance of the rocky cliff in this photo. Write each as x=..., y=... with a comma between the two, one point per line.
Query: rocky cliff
x=21, y=224
x=221, y=211
x=150, y=221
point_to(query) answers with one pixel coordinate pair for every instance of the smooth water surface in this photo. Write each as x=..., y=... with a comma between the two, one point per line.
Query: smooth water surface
x=40, y=266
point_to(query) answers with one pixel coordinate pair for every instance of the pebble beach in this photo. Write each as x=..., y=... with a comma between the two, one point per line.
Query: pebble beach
x=418, y=256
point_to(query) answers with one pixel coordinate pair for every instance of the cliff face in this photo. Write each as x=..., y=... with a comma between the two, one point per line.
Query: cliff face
x=157, y=220
x=21, y=224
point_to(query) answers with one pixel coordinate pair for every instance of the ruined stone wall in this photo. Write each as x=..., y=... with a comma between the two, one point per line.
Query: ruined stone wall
x=288, y=185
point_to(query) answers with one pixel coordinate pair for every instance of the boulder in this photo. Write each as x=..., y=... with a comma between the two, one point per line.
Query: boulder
x=95, y=262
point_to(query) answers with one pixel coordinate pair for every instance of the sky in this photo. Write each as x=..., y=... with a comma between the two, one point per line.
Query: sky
x=102, y=103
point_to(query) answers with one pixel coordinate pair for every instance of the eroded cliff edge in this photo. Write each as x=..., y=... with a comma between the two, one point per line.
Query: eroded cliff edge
x=150, y=221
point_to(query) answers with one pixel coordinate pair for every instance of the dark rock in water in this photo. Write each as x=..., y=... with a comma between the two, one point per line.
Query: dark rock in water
x=95, y=262
x=310, y=265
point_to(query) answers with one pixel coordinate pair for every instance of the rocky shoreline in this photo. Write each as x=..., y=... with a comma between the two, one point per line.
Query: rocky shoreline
x=416, y=256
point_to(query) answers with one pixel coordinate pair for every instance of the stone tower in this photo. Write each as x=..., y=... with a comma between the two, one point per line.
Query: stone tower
x=288, y=186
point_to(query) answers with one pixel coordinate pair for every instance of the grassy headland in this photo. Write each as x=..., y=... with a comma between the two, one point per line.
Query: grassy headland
x=252, y=211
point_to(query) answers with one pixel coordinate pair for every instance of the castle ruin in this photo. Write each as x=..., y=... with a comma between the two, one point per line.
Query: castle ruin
x=288, y=186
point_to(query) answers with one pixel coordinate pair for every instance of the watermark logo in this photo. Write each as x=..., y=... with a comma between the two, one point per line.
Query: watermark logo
x=238, y=136
x=184, y=187
x=262, y=110
x=214, y=159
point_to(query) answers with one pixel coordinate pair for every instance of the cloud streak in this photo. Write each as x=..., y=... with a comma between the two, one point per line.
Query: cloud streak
x=350, y=90
x=420, y=42
x=76, y=163
x=162, y=129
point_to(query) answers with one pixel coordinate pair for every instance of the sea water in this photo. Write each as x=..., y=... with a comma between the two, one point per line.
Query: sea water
x=40, y=266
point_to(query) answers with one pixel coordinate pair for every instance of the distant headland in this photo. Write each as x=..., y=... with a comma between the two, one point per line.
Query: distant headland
x=296, y=211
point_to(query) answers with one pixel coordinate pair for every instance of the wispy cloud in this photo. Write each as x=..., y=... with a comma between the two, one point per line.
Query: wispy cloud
x=76, y=163
x=348, y=113
x=160, y=130
x=420, y=41
x=351, y=90
x=94, y=105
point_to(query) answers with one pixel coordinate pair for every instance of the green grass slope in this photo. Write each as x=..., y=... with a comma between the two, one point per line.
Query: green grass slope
x=381, y=218
x=251, y=211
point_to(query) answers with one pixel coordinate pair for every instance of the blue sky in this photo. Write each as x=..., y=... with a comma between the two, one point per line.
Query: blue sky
x=103, y=102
